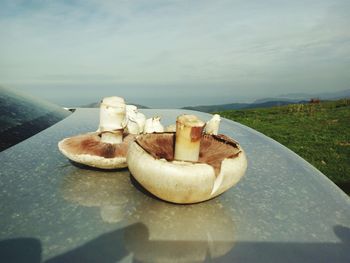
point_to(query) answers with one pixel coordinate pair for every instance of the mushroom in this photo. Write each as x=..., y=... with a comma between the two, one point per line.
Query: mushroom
x=198, y=168
x=153, y=125
x=136, y=120
x=163, y=226
x=170, y=128
x=212, y=126
x=107, y=147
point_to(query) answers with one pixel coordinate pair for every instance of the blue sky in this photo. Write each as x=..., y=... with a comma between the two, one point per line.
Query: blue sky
x=174, y=53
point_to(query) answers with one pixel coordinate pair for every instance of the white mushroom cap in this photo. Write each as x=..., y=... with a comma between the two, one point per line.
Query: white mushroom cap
x=153, y=125
x=130, y=109
x=136, y=120
x=141, y=121
x=88, y=149
x=221, y=165
x=212, y=126
x=107, y=147
x=132, y=127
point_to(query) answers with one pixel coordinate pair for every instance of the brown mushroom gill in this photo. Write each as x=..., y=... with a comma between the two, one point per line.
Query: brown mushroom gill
x=91, y=144
x=213, y=149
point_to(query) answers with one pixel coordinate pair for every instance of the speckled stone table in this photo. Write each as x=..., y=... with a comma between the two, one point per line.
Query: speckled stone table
x=51, y=210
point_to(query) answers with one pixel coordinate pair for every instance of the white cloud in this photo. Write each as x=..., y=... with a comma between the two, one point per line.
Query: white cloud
x=258, y=46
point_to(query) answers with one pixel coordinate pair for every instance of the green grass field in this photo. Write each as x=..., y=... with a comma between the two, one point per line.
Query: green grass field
x=320, y=133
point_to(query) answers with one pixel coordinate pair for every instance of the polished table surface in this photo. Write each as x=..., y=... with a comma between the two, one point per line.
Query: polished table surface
x=52, y=210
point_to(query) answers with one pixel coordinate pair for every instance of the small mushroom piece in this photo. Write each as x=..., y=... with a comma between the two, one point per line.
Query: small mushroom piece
x=136, y=120
x=106, y=148
x=153, y=125
x=170, y=128
x=221, y=164
x=212, y=126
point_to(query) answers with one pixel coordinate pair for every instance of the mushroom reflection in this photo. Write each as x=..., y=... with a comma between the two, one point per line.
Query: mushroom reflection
x=111, y=192
x=177, y=233
x=160, y=232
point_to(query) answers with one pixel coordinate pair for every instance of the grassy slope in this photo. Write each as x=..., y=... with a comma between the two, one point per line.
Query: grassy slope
x=320, y=133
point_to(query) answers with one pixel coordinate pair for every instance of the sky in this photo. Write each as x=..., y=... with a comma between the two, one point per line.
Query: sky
x=167, y=54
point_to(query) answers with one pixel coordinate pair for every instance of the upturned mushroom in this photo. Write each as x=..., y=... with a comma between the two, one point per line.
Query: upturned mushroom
x=186, y=166
x=107, y=147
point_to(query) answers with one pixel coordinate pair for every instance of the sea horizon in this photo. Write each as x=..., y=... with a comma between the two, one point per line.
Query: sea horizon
x=153, y=96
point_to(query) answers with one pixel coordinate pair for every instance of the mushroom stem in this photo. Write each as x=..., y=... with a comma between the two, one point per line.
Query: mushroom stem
x=112, y=137
x=112, y=114
x=112, y=119
x=188, y=138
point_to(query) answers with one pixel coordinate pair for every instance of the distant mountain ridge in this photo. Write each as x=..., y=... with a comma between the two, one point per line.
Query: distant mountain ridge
x=292, y=98
x=263, y=100
x=239, y=106
x=323, y=95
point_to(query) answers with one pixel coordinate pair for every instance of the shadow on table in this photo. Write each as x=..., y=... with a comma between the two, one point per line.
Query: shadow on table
x=293, y=252
x=114, y=246
x=26, y=250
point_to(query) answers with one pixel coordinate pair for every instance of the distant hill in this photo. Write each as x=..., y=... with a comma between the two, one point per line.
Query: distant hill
x=240, y=106
x=264, y=100
x=322, y=95
x=292, y=98
x=97, y=105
